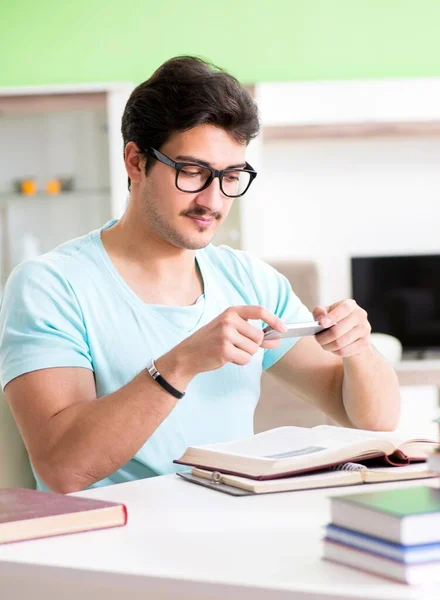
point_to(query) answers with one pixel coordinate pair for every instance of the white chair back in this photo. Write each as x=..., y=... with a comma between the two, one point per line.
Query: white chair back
x=389, y=346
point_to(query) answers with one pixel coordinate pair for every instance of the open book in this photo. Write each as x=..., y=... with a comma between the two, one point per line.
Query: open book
x=340, y=475
x=291, y=450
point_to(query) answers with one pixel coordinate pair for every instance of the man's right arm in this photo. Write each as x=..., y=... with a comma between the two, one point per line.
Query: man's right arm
x=75, y=439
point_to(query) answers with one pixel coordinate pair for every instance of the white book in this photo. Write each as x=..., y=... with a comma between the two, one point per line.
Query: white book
x=292, y=450
x=434, y=462
x=419, y=573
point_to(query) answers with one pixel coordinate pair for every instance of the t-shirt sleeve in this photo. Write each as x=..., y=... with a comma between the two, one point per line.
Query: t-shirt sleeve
x=41, y=324
x=275, y=293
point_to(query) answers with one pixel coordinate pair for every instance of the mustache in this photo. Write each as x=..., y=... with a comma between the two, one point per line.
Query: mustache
x=201, y=212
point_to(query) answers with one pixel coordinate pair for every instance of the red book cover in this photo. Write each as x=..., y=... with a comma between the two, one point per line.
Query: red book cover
x=28, y=514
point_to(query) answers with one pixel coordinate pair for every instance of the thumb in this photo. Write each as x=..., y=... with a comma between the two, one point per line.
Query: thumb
x=320, y=314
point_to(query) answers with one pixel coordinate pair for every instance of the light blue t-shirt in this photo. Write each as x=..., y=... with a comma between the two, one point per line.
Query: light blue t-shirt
x=71, y=308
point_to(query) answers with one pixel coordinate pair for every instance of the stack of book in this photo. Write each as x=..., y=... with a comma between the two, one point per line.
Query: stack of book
x=299, y=458
x=434, y=458
x=393, y=533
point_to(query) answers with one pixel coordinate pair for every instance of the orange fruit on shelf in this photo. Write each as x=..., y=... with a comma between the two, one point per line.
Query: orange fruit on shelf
x=53, y=186
x=29, y=187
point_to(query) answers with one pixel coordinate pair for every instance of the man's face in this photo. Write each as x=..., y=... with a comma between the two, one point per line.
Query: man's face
x=189, y=220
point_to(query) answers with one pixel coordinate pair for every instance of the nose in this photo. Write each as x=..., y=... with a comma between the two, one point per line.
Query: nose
x=211, y=198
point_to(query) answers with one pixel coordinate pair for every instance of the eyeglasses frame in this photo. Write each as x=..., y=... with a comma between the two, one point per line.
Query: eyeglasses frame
x=178, y=166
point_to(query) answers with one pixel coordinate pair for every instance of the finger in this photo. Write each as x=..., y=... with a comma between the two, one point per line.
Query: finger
x=258, y=312
x=249, y=330
x=270, y=344
x=353, y=349
x=346, y=340
x=255, y=334
x=337, y=331
x=240, y=357
x=242, y=342
x=320, y=313
x=342, y=310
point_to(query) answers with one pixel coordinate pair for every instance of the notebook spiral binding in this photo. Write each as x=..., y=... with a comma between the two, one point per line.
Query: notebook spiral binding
x=349, y=466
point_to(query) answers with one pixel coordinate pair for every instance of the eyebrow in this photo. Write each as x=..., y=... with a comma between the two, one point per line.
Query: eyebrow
x=204, y=163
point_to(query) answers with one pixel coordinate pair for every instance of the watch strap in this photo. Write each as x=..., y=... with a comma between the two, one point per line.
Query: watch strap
x=152, y=370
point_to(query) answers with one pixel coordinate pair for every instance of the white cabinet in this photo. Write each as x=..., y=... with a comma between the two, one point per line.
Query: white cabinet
x=48, y=132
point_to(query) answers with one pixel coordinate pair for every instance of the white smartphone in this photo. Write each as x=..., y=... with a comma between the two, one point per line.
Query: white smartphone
x=294, y=330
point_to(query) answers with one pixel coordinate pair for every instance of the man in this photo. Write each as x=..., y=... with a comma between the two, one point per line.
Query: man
x=81, y=324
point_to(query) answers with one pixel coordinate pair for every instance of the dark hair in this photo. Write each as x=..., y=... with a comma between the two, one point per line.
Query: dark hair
x=184, y=92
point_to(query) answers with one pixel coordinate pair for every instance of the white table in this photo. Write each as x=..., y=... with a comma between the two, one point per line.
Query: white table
x=193, y=543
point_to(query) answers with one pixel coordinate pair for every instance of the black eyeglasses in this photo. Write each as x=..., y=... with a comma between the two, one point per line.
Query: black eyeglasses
x=192, y=177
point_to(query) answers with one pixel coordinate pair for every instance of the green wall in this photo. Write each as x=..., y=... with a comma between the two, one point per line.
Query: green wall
x=61, y=41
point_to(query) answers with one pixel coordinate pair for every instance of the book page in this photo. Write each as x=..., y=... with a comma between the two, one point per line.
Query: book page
x=402, y=440
x=290, y=442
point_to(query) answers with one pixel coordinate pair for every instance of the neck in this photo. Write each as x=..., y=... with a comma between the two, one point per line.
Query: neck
x=157, y=271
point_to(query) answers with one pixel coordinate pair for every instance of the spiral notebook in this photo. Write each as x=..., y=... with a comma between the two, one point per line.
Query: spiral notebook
x=340, y=475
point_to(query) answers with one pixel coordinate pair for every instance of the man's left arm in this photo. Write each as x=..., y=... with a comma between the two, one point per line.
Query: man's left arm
x=341, y=373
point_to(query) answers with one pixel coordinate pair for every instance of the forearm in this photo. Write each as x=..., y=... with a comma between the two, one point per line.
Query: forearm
x=370, y=391
x=89, y=438
x=94, y=439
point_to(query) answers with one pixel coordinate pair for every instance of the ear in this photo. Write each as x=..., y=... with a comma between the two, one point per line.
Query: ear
x=134, y=162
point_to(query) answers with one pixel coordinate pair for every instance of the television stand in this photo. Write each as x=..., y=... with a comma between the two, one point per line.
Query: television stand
x=421, y=354
x=413, y=354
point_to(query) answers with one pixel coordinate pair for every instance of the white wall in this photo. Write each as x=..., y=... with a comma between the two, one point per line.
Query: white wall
x=332, y=199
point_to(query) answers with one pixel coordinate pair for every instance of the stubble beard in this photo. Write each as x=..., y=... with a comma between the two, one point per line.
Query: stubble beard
x=162, y=228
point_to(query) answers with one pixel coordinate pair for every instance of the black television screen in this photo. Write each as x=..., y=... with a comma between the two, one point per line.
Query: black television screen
x=402, y=297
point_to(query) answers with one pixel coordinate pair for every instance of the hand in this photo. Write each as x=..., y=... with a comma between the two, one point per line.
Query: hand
x=229, y=338
x=350, y=333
